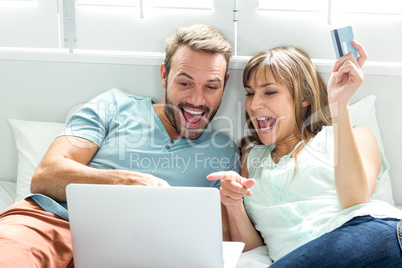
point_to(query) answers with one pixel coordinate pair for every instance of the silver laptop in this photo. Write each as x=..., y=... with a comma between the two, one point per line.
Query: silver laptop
x=137, y=226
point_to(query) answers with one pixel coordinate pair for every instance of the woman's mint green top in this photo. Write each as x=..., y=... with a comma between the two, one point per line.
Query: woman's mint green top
x=291, y=211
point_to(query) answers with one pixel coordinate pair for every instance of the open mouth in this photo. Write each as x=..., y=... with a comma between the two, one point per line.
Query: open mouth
x=265, y=123
x=193, y=118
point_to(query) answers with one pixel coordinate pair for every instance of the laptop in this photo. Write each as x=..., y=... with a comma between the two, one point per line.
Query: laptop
x=138, y=226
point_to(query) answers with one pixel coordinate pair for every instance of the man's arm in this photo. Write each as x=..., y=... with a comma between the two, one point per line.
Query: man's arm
x=66, y=162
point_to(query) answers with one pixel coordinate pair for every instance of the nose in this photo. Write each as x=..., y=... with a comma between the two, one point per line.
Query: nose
x=197, y=97
x=256, y=103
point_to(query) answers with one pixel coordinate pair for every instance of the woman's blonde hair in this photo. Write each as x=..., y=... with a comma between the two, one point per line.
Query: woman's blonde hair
x=293, y=68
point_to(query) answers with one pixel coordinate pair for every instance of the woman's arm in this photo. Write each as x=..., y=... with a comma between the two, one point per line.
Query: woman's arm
x=357, y=158
x=236, y=220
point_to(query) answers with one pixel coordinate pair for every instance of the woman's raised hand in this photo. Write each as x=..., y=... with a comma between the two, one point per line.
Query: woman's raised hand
x=346, y=77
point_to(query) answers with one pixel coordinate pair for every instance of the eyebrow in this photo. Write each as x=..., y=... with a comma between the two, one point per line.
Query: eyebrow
x=263, y=85
x=268, y=84
x=186, y=75
x=210, y=80
x=215, y=80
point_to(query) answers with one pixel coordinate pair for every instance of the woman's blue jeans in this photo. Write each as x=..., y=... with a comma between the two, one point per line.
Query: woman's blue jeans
x=361, y=242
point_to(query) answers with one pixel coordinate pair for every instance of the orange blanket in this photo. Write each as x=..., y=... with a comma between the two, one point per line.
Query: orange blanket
x=32, y=237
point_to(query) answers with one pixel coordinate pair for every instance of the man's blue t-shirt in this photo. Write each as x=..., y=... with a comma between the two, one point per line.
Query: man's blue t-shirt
x=131, y=136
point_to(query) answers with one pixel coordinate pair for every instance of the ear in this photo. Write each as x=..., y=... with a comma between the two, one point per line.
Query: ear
x=305, y=103
x=226, y=79
x=163, y=75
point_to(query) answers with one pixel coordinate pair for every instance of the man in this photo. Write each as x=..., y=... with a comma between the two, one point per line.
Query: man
x=118, y=138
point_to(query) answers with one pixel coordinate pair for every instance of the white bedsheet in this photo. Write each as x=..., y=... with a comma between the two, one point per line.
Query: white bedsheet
x=255, y=258
x=7, y=194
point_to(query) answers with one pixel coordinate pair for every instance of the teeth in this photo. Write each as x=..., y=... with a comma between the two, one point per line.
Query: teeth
x=266, y=128
x=192, y=112
x=262, y=119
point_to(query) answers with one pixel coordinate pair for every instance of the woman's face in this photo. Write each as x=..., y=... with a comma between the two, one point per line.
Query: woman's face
x=270, y=107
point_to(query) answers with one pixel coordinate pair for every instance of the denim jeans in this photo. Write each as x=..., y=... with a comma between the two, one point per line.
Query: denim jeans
x=361, y=242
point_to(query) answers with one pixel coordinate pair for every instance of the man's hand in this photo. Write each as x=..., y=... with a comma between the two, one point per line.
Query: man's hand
x=136, y=178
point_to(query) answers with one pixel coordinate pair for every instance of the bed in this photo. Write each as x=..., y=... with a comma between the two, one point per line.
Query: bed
x=42, y=94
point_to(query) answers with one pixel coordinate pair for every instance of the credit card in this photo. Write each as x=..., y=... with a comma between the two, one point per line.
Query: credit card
x=342, y=40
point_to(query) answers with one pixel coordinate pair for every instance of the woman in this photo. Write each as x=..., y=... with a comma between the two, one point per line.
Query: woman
x=313, y=173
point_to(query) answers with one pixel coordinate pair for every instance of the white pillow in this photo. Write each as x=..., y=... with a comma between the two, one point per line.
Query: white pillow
x=32, y=139
x=363, y=114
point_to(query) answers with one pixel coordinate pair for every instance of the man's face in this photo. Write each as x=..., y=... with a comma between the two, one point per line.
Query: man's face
x=194, y=89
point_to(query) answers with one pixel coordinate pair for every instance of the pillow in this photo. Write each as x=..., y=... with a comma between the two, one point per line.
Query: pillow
x=363, y=114
x=32, y=139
